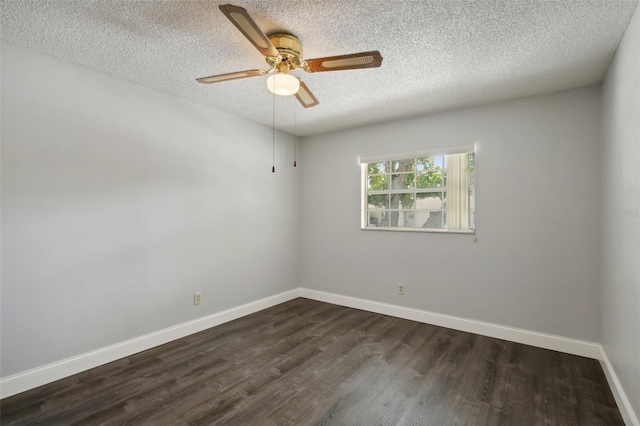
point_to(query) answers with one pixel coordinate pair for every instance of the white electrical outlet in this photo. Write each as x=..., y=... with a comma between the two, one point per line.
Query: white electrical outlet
x=197, y=298
x=400, y=288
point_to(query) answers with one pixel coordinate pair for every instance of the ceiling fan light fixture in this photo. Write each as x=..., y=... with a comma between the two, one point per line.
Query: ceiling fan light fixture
x=283, y=84
x=283, y=53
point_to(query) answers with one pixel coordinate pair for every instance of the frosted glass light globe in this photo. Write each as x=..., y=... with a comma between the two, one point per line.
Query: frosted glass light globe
x=283, y=84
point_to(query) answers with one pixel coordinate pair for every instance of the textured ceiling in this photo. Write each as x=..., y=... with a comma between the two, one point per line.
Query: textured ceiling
x=438, y=55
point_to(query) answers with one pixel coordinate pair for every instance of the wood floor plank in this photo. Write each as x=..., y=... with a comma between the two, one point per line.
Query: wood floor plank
x=311, y=363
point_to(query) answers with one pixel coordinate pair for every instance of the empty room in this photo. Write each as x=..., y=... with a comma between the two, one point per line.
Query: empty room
x=309, y=212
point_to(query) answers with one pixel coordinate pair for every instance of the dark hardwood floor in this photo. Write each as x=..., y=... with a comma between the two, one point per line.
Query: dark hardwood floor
x=311, y=363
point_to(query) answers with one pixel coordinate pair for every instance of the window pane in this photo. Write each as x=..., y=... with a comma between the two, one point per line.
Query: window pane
x=402, y=201
x=407, y=219
x=406, y=201
x=377, y=183
x=378, y=168
x=432, y=219
x=404, y=181
x=402, y=165
x=429, y=163
x=375, y=202
x=394, y=217
x=430, y=201
x=438, y=161
x=430, y=179
x=378, y=218
x=424, y=164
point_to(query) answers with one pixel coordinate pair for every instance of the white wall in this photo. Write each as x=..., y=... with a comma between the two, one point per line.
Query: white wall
x=118, y=202
x=536, y=262
x=621, y=234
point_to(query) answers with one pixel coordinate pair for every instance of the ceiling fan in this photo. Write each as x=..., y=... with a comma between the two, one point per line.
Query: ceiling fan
x=283, y=53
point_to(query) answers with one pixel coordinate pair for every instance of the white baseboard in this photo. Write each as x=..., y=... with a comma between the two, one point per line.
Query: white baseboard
x=624, y=405
x=30, y=379
x=527, y=337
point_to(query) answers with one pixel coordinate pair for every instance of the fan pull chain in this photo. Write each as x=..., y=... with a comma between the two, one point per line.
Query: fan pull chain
x=295, y=133
x=273, y=129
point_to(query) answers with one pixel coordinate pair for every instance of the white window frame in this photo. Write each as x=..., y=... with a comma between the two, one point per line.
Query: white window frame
x=443, y=151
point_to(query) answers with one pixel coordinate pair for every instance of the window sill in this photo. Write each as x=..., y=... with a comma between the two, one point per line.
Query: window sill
x=432, y=231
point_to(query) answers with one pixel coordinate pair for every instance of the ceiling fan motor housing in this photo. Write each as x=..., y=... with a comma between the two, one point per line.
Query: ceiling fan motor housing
x=289, y=47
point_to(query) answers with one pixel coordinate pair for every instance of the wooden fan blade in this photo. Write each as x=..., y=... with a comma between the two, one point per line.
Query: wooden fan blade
x=305, y=97
x=231, y=76
x=241, y=19
x=354, y=61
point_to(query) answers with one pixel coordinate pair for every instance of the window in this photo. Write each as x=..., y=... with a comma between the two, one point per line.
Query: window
x=420, y=191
